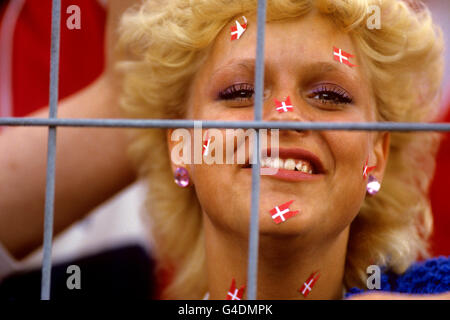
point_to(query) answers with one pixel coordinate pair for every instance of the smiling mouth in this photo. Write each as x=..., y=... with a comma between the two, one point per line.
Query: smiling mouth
x=292, y=164
x=286, y=164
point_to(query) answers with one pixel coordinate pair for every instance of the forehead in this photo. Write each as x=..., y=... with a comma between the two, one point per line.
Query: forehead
x=289, y=44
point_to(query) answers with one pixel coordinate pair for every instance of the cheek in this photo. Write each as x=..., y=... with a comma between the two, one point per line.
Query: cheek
x=223, y=201
x=349, y=151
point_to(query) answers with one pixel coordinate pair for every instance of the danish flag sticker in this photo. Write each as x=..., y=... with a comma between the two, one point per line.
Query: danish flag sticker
x=367, y=169
x=234, y=293
x=206, y=145
x=282, y=213
x=284, y=106
x=238, y=30
x=309, y=284
x=342, y=56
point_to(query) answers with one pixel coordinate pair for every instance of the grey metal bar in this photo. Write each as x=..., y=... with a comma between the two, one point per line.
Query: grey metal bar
x=51, y=152
x=283, y=125
x=253, y=241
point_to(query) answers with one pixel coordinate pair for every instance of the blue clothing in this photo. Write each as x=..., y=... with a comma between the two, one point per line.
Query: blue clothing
x=426, y=277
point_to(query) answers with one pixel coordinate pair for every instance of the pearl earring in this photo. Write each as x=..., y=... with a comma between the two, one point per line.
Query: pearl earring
x=373, y=186
x=181, y=177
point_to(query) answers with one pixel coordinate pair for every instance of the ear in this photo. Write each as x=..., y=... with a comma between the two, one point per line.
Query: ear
x=179, y=148
x=380, y=153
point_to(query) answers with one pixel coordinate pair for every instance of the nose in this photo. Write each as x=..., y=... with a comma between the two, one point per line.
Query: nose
x=285, y=107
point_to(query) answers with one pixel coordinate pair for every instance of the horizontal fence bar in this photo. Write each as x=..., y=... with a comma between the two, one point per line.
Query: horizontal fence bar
x=283, y=125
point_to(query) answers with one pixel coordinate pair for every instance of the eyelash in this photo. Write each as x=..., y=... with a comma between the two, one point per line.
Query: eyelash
x=339, y=96
x=244, y=91
x=239, y=92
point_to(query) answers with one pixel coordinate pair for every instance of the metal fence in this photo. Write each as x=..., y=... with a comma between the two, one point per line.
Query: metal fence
x=53, y=122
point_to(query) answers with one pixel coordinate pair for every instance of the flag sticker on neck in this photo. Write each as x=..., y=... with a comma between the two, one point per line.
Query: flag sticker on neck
x=284, y=106
x=238, y=30
x=234, y=293
x=282, y=213
x=309, y=284
x=343, y=57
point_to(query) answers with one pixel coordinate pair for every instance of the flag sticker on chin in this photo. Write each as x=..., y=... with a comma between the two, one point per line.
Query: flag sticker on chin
x=284, y=106
x=234, y=293
x=309, y=284
x=343, y=57
x=238, y=30
x=282, y=213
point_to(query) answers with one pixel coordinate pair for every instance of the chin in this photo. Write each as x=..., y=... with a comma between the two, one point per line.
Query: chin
x=293, y=227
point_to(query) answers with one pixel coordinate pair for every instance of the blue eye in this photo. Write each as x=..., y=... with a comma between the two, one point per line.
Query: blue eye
x=239, y=92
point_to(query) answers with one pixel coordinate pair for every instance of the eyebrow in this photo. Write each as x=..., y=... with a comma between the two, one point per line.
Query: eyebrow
x=246, y=64
x=311, y=68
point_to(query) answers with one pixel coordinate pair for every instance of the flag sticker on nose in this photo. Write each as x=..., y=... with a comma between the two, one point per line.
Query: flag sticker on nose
x=238, y=30
x=234, y=293
x=342, y=56
x=309, y=284
x=282, y=213
x=284, y=106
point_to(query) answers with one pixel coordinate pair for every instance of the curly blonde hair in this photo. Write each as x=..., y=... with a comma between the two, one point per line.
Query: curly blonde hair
x=171, y=40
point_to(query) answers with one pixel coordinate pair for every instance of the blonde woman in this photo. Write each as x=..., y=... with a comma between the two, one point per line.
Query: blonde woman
x=188, y=67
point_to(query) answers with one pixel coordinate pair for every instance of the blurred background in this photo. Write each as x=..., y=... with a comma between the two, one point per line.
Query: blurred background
x=102, y=226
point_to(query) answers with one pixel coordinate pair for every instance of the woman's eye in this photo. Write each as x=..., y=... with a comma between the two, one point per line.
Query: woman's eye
x=238, y=92
x=331, y=95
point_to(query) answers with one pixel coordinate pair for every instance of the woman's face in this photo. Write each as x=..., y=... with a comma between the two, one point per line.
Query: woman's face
x=299, y=63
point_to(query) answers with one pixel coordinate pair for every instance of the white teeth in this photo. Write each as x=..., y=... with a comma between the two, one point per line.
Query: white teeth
x=278, y=163
x=289, y=164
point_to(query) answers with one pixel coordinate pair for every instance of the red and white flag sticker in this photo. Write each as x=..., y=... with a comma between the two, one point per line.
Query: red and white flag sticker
x=342, y=56
x=238, y=30
x=206, y=145
x=284, y=106
x=309, y=284
x=234, y=293
x=282, y=213
x=367, y=169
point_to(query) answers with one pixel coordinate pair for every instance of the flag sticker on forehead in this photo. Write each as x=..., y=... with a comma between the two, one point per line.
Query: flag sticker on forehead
x=282, y=213
x=284, y=106
x=342, y=56
x=309, y=284
x=238, y=30
x=234, y=293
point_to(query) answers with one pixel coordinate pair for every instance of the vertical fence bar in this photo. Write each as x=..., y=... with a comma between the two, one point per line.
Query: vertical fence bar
x=252, y=272
x=51, y=152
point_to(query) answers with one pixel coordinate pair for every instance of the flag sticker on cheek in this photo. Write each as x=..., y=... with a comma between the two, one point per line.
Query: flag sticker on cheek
x=234, y=293
x=206, y=145
x=284, y=106
x=282, y=213
x=342, y=56
x=238, y=30
x=367, y=169
x=309, y=284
